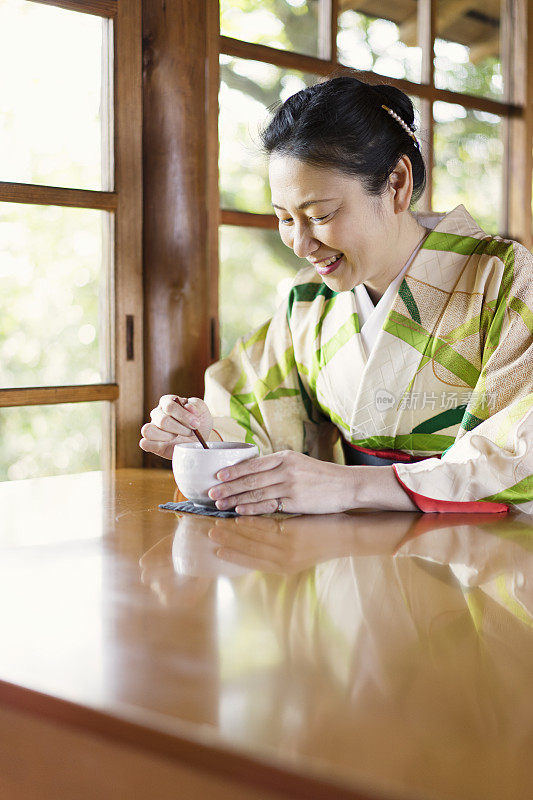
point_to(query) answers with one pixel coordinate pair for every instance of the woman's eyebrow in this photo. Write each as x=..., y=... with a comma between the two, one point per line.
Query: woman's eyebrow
x=307, y=203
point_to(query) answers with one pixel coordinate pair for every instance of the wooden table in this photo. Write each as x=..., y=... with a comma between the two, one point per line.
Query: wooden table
x=385, y=655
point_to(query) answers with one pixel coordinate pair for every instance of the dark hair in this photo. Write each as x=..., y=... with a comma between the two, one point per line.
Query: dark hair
x=340, y=123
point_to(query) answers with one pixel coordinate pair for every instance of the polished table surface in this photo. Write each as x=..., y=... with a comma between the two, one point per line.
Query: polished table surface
x=352, y=655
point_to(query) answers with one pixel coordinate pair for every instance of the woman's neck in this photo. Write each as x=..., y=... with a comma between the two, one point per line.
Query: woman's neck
x=410, y=236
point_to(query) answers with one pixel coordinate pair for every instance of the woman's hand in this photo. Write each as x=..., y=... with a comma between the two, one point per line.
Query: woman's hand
x=303, y=484
x=306, y=486
x=171, y=424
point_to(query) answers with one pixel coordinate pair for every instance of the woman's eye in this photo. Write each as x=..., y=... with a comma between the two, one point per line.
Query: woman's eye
x=311, y=219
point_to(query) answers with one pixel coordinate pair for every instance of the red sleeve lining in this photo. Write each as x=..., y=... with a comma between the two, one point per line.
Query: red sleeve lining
x=430, y=505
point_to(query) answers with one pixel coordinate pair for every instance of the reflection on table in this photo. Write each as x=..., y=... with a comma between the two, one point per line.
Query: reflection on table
x=386, y=653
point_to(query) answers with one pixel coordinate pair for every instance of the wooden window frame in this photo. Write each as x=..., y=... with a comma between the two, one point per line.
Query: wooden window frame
x=125, y=202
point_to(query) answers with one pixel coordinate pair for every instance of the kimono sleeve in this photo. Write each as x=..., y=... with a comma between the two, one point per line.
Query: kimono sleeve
x=256, y=395
x=489, y=467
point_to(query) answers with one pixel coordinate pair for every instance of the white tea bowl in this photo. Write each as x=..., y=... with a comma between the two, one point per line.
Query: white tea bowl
x=195, y=468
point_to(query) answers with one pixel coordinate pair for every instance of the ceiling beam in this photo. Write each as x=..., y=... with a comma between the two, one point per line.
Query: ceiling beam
x=447, y=14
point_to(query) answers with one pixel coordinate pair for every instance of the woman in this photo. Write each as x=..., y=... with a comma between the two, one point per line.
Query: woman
x=398, y=373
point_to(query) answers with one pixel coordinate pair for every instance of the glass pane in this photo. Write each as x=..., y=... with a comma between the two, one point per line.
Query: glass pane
x=54, y=295
x=52, y=440
x=468, y=163
x=467, y=48
x=285, y=24
x=386, y=45
x=52, y=107
x=256, y=271
x=247, y=90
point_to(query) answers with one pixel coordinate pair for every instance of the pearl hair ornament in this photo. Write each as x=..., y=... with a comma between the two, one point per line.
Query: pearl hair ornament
x=404, y=125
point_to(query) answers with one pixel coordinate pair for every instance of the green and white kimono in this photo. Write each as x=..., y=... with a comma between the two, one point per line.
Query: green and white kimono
x=446, y=391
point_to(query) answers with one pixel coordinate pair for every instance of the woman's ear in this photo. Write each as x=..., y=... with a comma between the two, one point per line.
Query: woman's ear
x=401, y=184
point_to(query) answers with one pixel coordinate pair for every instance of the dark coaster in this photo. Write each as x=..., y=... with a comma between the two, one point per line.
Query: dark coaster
x=190, y=508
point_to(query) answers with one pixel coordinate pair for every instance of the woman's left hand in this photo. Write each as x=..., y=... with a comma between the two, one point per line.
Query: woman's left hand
x=303, y=484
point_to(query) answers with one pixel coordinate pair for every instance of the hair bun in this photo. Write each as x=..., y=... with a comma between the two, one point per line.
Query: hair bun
x=397, y=101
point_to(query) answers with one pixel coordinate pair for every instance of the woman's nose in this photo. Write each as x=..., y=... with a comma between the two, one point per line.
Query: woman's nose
x=303, y=244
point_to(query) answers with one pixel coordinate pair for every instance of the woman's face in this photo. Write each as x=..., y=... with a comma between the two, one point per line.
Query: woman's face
x=325, y=214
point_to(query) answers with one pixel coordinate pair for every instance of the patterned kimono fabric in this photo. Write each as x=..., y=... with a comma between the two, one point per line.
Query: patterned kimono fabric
x=446, y=391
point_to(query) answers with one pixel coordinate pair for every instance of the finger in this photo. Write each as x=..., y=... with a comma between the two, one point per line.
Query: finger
x=177, y=401
x=184, y=413
x=260, y=494
x=250, y=482
x=157, y=448
x=187, y=416
x=196, y=406
x=263, y=507
x=167, y=400
x=251, y=466
x=150, y=431
x=168, y=423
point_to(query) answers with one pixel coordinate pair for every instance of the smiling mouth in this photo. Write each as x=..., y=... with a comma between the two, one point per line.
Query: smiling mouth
x=327, y=266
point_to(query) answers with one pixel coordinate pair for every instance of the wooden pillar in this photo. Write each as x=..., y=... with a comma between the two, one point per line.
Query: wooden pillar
x=517, y=58
x=177, y=300
x=128, y=236
x=426, y=29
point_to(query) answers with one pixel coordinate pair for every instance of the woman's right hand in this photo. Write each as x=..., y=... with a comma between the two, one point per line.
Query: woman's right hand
x=171, y=424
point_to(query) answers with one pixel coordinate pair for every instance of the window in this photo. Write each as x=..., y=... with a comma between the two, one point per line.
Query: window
x=70, y=199
x=463, y=65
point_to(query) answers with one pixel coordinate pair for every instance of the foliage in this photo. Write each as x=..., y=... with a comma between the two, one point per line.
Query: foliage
x=468, y=159
x=286, y=24
x=374, y=44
